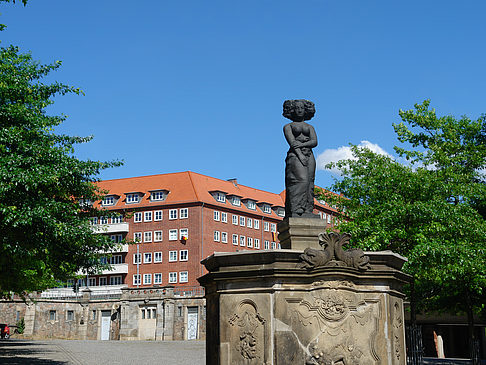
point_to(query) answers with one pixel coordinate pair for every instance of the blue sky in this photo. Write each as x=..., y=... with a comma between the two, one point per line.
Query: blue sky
x=199, y=85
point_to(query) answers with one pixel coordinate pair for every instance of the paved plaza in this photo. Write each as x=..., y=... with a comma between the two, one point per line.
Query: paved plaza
x=62, y=352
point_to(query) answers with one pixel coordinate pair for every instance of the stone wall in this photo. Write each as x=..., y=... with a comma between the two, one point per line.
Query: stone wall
x=145, y=314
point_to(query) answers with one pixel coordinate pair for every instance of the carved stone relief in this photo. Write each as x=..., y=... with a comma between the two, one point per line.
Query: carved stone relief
x=336, y=327
x=333, y=254
x=397, y=330
x=248, y=335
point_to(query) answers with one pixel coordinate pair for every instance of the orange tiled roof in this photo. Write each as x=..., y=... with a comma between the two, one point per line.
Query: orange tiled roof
x=188, y=187
x=185, y=187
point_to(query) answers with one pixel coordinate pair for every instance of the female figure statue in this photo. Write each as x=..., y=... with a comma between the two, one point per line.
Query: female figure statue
x=300, y=164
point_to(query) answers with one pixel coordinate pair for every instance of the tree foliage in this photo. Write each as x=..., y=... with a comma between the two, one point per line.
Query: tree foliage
x=429, y=210
x=46, y=235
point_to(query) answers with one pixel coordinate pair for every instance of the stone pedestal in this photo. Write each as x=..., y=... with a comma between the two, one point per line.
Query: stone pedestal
x=300, y=233
x=266, y=307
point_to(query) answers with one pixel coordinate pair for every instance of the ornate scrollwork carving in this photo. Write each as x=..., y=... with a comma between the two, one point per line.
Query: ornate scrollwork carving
x=332, y=253
x=247, y=320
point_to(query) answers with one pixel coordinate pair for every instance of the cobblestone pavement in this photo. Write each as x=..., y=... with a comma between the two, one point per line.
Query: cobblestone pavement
x=62, y=352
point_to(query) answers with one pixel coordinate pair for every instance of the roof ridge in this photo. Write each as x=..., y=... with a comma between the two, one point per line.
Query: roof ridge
x=189, y=173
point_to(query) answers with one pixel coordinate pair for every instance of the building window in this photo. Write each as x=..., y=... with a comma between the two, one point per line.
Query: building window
x=183, y=255
x=132, y=198
x=172, y=213
x=221, y=197
x=257, y=243
x=249, y=223
x=172, y=256
x=234, y=219
x=157, y=236
x=103, y=281
x=266, y=226
x=136, y=279
x=157, y=196
x=157, y=215
x=216, y=215
x=108, y=200
x=147, y=236
x=137, y=258
x=183, y=233
x=183, y=213
x=256, y=224
x=115, y=259
x=267, y=209
x=273, y=227
x=329, y=218
x=117, y=238
x=91, y=281
x=147, y=216
x=281, y=212
x=273, y=246
x=147, y=279
x=158, y=278
x=172, y=277
x=149, y=313
x=93, y=315
x=147, y=257
x=52, y=315
x=251, y=204
x=224, y=237
x=116, y=219
x=116, y=280
x=94, y=220
x=137, y=217
x=70, y=315
x=216, y=236
x=224, y=217
x=236, y=201
x=183, y=277
x=235, y=239
x=249, y=242
x=172, y=234
x=103, y=220
x=242, y=221
x=137, y=236
x=242, y=240
x=158, y=256
x=266, y=245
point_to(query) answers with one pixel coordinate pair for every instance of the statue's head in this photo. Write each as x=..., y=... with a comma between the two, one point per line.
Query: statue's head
x=299, y=109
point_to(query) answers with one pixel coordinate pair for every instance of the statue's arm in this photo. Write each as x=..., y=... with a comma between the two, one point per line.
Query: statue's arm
x=312, y=142
x=294, y=144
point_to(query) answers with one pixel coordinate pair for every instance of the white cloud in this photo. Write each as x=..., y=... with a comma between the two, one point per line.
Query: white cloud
x=344, y=153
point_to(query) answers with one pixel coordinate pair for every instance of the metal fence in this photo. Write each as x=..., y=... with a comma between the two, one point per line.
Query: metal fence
x=415, y=349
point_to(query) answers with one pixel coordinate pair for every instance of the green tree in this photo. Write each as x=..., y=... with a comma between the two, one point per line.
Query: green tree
x=44, y=189
x=429, y=211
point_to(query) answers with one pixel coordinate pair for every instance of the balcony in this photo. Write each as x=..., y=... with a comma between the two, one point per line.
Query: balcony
x=111, y=228
x=116, y=269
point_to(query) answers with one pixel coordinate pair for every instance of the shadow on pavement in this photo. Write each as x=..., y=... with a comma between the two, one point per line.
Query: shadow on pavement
x=23, y=352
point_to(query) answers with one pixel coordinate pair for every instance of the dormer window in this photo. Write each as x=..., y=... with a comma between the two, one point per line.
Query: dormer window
x=266, y=208
x=235, y=200
x=108, y=200
x=158, y=195
x=133, y=198
x=220, y=197
x=280, y=211
x=251, y=204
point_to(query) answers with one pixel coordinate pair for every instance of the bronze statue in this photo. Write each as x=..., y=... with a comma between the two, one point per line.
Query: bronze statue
x=300, y=164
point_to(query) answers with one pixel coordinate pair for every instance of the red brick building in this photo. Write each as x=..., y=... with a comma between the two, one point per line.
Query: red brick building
x=178, y=219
